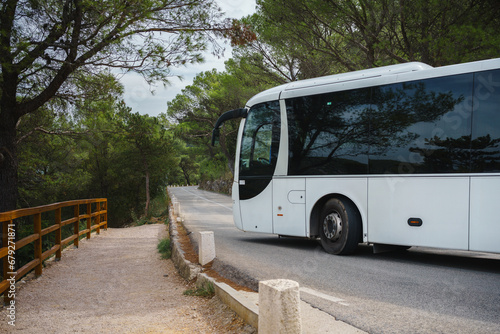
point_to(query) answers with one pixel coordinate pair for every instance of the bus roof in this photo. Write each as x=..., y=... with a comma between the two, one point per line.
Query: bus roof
x=367, y=78
x=359, y=75
x=273, y=93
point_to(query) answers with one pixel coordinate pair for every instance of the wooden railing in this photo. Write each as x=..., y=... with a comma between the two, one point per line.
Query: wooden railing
x=95, y=211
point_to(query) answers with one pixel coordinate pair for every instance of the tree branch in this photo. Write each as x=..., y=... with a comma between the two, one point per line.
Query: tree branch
x=69, y=133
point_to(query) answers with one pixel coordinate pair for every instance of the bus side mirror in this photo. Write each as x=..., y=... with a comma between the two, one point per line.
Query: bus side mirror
x=215, y=136
x=231, y=114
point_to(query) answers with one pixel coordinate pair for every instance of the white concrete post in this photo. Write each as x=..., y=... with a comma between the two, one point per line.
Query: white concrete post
x=206, y=247
x=177, y=208
x=279, y=307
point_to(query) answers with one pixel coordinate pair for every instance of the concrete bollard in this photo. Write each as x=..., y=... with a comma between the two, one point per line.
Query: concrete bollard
x=206, y=247
x=177, y=208
x=279, y=307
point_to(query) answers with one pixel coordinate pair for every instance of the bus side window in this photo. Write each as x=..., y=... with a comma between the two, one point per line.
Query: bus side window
x=486, y=123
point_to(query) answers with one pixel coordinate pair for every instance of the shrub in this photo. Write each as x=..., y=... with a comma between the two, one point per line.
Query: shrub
x=164, y=248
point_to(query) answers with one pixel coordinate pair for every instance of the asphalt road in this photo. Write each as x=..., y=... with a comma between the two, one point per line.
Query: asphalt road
x=420, y=290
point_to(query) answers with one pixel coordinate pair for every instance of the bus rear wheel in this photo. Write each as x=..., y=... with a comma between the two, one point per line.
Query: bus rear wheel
x=339, y=226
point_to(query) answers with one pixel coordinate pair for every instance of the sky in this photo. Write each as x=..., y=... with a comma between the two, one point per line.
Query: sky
x=138, y=94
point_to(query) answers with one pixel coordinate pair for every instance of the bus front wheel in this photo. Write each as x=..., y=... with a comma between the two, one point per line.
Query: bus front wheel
x=339, y=226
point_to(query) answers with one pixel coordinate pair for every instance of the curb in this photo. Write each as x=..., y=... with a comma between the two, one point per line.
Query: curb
x=186, y=269
x=246, y=309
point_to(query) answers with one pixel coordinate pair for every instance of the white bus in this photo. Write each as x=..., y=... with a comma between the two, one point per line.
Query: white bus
x=404, y=155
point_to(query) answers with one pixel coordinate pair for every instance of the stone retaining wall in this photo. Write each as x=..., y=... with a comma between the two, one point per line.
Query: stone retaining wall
x=219, y=186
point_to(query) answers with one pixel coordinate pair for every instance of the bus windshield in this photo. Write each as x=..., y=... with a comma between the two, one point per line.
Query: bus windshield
x=260, y=142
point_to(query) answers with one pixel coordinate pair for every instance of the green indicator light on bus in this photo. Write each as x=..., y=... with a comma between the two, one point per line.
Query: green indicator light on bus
x=328, y=103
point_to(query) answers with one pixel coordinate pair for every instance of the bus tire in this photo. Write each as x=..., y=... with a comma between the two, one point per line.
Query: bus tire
x=339, y=227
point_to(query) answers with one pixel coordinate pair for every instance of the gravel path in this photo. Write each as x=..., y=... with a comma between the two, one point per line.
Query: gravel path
x=115, y=283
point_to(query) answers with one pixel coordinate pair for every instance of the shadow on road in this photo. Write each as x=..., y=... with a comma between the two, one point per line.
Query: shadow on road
x=483, y=262
x=475, y=261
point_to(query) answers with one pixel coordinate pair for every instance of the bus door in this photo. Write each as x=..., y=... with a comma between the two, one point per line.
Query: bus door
x=289, y=206
x=258, y=157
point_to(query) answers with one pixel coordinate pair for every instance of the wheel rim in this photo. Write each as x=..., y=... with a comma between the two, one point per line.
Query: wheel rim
x=332, y=226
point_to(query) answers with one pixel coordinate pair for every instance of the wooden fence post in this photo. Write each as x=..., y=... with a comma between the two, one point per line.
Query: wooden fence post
x=98, y=217
x=58, y=234
x=5, y=243
x=106, y=214
x=76, y=225
x=89, y=219
x=38, y=242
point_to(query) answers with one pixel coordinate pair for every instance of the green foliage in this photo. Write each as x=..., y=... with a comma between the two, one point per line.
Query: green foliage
x=46, y=160
x=196, y=111
x=139, y=221
x=102, y=150
x=159, y=206
x=48, y=48
x=214, y=168
x=150, y=150
x=164, y=248
x=158, y=211
x=207, y=290
x=308, y=38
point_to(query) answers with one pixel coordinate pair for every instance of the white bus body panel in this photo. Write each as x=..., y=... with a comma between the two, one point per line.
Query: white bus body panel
x=442, y=203
x=289, y=206
x=235, y=193
x=485, y=214
x=257, y=211
x=351, y=187
x=236, y=206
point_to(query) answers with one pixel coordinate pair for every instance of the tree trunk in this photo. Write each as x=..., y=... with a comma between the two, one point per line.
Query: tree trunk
x=186, y=176
x=146, y=168
x=8, y=159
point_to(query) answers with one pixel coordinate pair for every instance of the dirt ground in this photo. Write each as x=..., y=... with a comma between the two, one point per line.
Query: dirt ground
x=116, y=282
